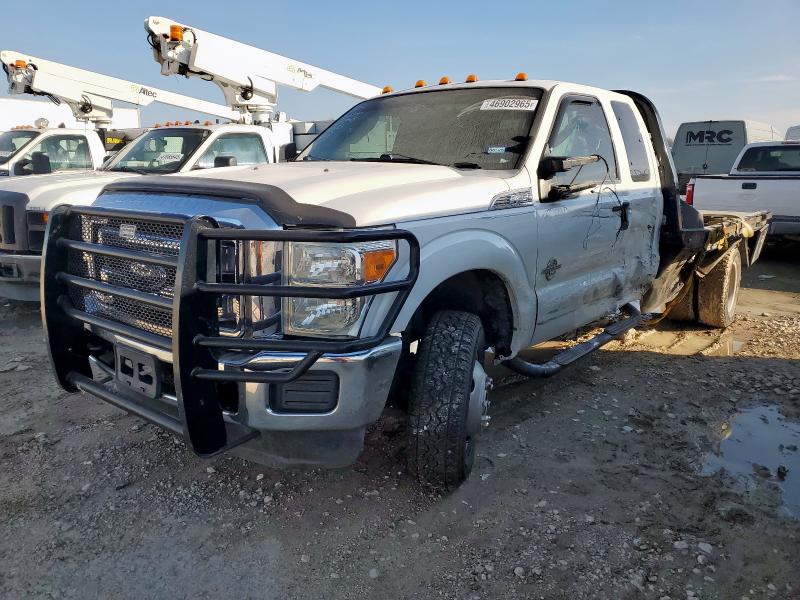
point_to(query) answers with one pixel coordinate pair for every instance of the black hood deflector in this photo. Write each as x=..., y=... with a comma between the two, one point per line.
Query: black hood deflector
x=274, y=201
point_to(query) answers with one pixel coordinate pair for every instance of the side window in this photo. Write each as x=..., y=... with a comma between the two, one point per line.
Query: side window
x=246, y=148
x=66, y=152
x=634, y=141
x=581, y=129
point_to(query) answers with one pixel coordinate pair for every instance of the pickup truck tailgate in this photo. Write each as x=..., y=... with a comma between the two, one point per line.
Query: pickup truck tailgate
x=780, y=195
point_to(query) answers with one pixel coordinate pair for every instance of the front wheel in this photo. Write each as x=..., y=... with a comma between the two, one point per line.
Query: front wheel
x=448, y=400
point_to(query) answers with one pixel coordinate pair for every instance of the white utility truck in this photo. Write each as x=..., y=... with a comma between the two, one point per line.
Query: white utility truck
x=15, y=112
x=710, y=147
x=91, y=98
x=176, y=148
x=275, y=311
x=765, y=176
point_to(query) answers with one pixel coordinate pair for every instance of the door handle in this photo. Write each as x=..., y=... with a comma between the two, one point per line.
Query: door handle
x=623, y=209
x=749, y=185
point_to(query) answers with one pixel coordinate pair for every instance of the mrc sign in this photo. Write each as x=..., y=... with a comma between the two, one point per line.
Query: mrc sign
x=708, y=137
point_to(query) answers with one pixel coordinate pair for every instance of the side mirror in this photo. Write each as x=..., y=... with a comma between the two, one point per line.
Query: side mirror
x=41, y=163
x=224, y=161
x=552, y=165
x=288, y=152
x=22, y=167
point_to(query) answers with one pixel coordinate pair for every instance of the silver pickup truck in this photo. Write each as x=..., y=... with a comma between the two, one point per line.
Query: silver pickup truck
x=275, y=310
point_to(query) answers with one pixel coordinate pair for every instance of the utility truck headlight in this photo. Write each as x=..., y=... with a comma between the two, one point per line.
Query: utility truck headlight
x=335, y=266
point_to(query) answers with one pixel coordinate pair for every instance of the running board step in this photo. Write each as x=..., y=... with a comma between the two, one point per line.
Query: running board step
x=569, y=356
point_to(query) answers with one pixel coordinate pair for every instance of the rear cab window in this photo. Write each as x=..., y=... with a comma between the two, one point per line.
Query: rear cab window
x=770, y=159
x=634, y=141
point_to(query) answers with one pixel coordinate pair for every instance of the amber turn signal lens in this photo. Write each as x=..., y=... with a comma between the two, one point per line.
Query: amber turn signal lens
x=175, y=33
x=377, y=263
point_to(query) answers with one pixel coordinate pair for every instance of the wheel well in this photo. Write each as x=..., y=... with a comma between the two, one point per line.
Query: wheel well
x=481, y=292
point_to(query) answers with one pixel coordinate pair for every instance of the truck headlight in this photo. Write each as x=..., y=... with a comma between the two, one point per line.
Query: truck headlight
x=334, y=266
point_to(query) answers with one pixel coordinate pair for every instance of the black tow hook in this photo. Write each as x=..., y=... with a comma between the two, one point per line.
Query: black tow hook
x=569, y=356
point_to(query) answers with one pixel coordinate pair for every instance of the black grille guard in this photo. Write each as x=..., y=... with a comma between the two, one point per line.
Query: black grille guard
x=194, y=318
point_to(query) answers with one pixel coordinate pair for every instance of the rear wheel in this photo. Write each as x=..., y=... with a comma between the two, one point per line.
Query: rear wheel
x=448, y=399
x=718, y=292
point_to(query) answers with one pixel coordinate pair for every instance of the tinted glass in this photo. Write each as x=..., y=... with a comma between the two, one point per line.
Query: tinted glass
x=634, y=141
x=770, y=158
x=159, y=151
x=581, y=129
x=246, y=148
x=66, y=152
x=468, y=128
x=12, y=141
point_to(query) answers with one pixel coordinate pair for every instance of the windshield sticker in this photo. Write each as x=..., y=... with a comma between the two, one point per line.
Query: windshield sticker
x=496, y=150
x=169, y=157
x=528, y=104
x=5, y=153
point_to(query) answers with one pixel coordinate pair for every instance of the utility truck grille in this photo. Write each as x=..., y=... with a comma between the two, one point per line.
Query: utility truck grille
x=133, y=263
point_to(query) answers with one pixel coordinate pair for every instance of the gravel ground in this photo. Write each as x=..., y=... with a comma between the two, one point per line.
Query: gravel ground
x=593, y=484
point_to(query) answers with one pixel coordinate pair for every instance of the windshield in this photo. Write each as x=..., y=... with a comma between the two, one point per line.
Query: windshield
x=770, y=158
x=159, y=151
x=12, y=142
x=469, y=128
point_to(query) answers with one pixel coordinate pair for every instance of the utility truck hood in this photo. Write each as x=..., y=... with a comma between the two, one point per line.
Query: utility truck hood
x=376, y=193
x=46, y=192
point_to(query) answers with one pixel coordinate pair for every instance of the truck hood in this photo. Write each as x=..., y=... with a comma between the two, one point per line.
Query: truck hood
x=46, y=192
x=376, y=193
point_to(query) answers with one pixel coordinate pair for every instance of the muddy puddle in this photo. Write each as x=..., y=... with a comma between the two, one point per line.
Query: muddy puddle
x=760, y=449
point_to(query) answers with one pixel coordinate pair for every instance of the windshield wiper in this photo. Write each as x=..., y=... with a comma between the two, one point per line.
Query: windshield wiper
x=466, y=165
x=130, y=170
x=314, y=158
x=398, y=158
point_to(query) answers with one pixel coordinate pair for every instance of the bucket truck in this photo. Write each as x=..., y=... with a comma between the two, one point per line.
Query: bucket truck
x=248, y=77
x=90, y=97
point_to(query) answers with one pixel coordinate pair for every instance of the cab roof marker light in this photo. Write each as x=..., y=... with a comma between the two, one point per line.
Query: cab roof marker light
x=420, y=83
x=387, y=89
x=471, y=78
x=444, y=80
x=521, y=77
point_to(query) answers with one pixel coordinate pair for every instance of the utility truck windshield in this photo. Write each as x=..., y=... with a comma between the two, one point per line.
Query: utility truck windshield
x=12, y=142
x=465, y=128
x=159, y=151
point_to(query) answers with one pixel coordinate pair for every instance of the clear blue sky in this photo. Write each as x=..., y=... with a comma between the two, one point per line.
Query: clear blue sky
x=698, y=60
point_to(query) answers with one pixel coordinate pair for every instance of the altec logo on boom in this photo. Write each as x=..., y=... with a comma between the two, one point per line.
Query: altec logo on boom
x=143, y=91
x=709, y=137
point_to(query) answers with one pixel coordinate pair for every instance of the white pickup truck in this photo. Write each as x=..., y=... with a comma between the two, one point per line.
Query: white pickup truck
x=274, y=311
x=26, y=202
x=33, y=151
x=765, y=176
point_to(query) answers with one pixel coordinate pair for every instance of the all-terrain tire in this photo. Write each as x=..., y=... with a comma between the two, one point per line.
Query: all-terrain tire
x=684, y=311
x=440, y=451
x=718, y=292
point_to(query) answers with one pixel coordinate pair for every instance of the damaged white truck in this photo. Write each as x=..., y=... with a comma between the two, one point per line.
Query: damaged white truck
x=275, y=311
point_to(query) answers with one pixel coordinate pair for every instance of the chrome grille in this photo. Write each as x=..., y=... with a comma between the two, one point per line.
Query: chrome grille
x=151, y=237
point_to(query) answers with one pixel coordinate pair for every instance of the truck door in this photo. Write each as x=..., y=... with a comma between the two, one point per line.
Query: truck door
x=576, y=281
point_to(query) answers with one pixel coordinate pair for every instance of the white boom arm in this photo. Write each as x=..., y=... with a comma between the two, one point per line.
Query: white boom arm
x=91, y=95
x=248, y=76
